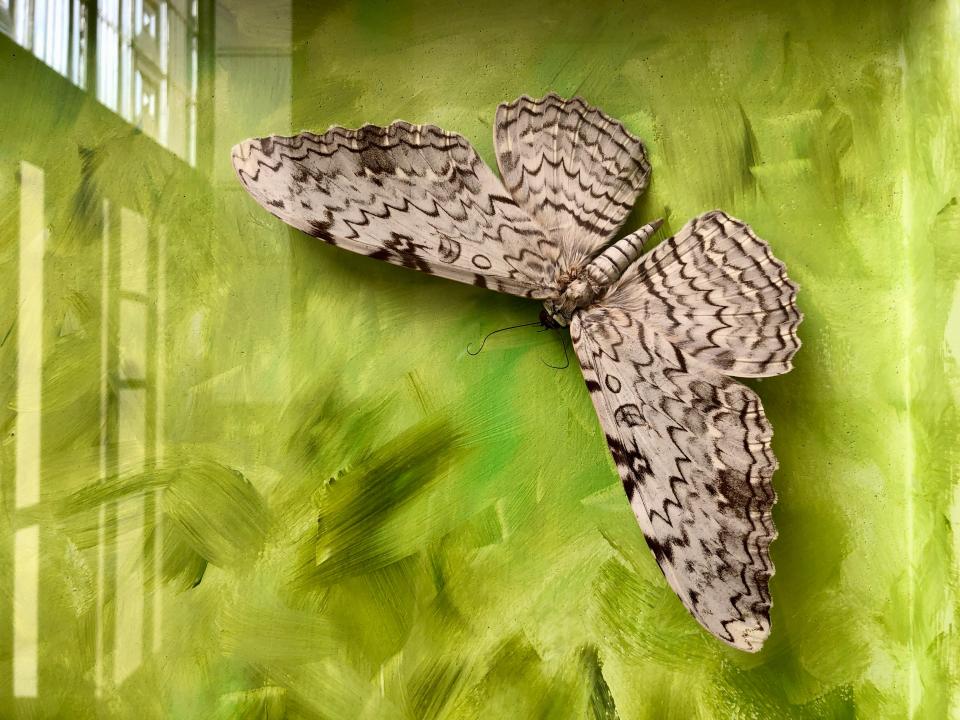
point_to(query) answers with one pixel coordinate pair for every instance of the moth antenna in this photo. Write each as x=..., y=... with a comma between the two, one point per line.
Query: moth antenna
x=566, y=357
x=494, y=332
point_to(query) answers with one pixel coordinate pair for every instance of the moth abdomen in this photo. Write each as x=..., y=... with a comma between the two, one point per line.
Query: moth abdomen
x=609, y=266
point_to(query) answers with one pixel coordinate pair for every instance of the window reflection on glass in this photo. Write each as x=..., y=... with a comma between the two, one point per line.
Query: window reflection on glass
x=46, y=28
x=79, y=34
x=148, y=12
x=146, y=57
x=6, y=21
x=30, y=306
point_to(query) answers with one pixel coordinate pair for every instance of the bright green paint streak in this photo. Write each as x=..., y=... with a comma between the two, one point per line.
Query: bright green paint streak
x=478, y=558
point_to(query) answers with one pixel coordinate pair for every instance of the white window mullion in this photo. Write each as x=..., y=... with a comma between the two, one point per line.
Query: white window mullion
x=131, y=443
x=28, y=426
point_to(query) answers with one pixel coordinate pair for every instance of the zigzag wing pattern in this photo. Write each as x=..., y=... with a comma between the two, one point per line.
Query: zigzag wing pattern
x=576, y=170
x=716, y=291
x=413, y=195
x=692, y=448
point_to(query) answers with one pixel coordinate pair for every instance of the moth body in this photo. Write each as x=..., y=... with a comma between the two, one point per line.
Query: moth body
x=576, y=290
x=582, y=286
x=609, y=266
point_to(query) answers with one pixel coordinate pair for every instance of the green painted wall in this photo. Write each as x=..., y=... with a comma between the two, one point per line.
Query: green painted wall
x=475, y=556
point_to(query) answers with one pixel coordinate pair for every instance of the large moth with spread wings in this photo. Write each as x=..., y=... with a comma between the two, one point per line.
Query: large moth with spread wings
x=658, y=334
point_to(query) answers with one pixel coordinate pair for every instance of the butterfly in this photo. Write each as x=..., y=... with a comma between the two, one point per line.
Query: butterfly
x=658, y=334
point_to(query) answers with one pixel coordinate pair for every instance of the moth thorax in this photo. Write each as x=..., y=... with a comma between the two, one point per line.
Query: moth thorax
x=578, y=293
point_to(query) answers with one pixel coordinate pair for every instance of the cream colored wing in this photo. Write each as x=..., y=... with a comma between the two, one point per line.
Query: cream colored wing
x=412, y=195
x=692, y=445
x=576, y=170
x=716, y=291
x=692, y=448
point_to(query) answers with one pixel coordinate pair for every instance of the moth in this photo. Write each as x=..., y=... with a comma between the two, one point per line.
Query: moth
x=659, y=334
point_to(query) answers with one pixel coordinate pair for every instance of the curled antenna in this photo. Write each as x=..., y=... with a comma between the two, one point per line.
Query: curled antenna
x=566, y=357
x=494, y=332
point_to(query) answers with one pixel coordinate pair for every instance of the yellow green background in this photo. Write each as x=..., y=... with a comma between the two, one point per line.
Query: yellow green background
x=474, y=555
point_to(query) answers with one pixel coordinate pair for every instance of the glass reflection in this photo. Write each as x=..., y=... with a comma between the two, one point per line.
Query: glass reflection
x=145, y=58
x=102, y=210
x=29, y=408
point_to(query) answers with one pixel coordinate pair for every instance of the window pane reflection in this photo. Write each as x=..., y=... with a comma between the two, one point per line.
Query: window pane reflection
x=146, y=57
